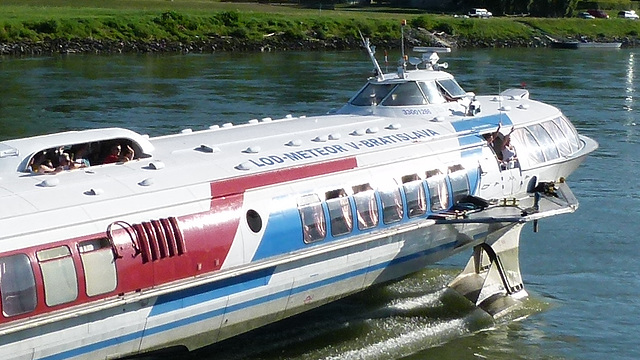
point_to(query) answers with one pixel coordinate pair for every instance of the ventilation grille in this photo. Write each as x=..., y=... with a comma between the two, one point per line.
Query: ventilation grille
x=159, y=239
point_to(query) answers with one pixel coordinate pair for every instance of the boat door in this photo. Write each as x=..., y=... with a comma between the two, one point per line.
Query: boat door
x=511, y=178
x=490, y=185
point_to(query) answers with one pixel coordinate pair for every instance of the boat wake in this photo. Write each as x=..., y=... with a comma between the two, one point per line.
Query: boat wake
x=392, y=321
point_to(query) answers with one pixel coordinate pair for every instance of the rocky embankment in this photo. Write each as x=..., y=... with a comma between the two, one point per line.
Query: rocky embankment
x=272, y=42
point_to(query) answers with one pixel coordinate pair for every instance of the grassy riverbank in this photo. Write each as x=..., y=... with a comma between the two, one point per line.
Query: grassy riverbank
x=249, y=26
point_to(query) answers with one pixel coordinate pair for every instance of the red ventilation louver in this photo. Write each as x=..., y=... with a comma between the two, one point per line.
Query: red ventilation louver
x=159, y=239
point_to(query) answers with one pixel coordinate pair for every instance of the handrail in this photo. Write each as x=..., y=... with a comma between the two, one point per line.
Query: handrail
x=128, y=228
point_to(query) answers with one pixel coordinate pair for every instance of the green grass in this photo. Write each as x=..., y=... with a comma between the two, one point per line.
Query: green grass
x=187, y=20
x=594, y=28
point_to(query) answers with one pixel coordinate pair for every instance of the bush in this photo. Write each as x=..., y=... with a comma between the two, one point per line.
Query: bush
x=229, y=18
x=447, y=28
x=44, y=27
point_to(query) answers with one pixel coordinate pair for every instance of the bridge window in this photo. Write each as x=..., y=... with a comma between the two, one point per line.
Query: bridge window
x=570, y=132
x=546, y=143
x=366, y=206
x=372, y=94
x=58, y=274
x=17, y=285
x=339, y=212
x=406, y=94
x=312, y=216
x=392, y=210
x=414, y=193
x=99, y=266
x=438, y=191
x=430, y=89
x=451, y=88
x=559, y=138
x=459, y=182
x=528, y=149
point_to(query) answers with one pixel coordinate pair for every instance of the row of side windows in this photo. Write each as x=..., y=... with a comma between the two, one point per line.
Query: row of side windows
x=18, y=291
x=392, y=198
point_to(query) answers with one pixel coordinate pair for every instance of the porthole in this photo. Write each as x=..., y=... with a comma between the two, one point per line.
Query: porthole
x=254, y=221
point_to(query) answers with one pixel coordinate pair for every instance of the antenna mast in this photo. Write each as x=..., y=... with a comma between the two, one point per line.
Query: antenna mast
x=404, y=23
x=371, y=50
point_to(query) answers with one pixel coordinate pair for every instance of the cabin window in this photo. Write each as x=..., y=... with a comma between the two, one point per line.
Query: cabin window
x=561, y=141
x=372, y=94
x=430, y=89
x=438, y=191
x=17, y=285
x=81, y=155
x=312, y=215
x=99, y=266
x=527, y=148
x=570, y=132
x=451, y=87
x=459, y=182
x=546, y=142
x=406, y=94
x=339, y=212
x=391, y=199
x=58, y=274
x=414, y=193
x=366, y=206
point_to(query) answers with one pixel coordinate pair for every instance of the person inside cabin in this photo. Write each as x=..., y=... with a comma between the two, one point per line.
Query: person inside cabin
x=490, y=138
x=128, y=154
x=116, y=154
x=65, y=163
x=495, y=142
x=81, y=154
x=39, y=164
x=509, y=156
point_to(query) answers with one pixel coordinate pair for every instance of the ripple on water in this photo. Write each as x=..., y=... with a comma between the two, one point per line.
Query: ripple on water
x=392, y=321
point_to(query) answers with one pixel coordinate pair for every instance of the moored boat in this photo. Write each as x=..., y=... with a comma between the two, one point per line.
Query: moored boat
x=198, y=236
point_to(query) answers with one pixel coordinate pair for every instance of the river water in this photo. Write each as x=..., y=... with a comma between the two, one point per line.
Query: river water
x=581, y=270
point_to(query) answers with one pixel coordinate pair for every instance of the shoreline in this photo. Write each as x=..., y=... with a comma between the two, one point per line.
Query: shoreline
x=225, y=44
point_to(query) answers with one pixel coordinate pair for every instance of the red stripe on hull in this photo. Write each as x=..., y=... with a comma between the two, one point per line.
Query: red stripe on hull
x=240, y=184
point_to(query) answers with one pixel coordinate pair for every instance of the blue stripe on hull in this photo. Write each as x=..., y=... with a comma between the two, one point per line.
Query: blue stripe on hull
x=186, y=298
x=482, y=123
x=199, y=294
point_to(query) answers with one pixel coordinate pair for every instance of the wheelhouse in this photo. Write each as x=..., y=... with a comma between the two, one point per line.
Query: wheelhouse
x=408, y=93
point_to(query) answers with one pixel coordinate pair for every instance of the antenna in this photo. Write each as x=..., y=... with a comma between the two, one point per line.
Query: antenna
x=371, y=50
x=404, y=23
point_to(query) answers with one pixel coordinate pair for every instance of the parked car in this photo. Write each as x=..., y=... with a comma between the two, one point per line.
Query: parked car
x=481, y=13
x=628, y=14
x=585, y=15
x=598, y=13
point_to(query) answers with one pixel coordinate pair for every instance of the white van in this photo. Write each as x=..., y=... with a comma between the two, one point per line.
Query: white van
x=629, y=14
x=481, y=13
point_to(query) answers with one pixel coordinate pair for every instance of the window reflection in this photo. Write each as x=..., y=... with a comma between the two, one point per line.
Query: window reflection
x=546, y=143
x=406, y=94
x=459, y=182
x=431, y=90
x=414, y=192
x=339, y=212
x=372, y=94
x=366, y=206
x=17, y=285
x=439, y=194
x=452, y=88
x=312, y=216
x=392, y=210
